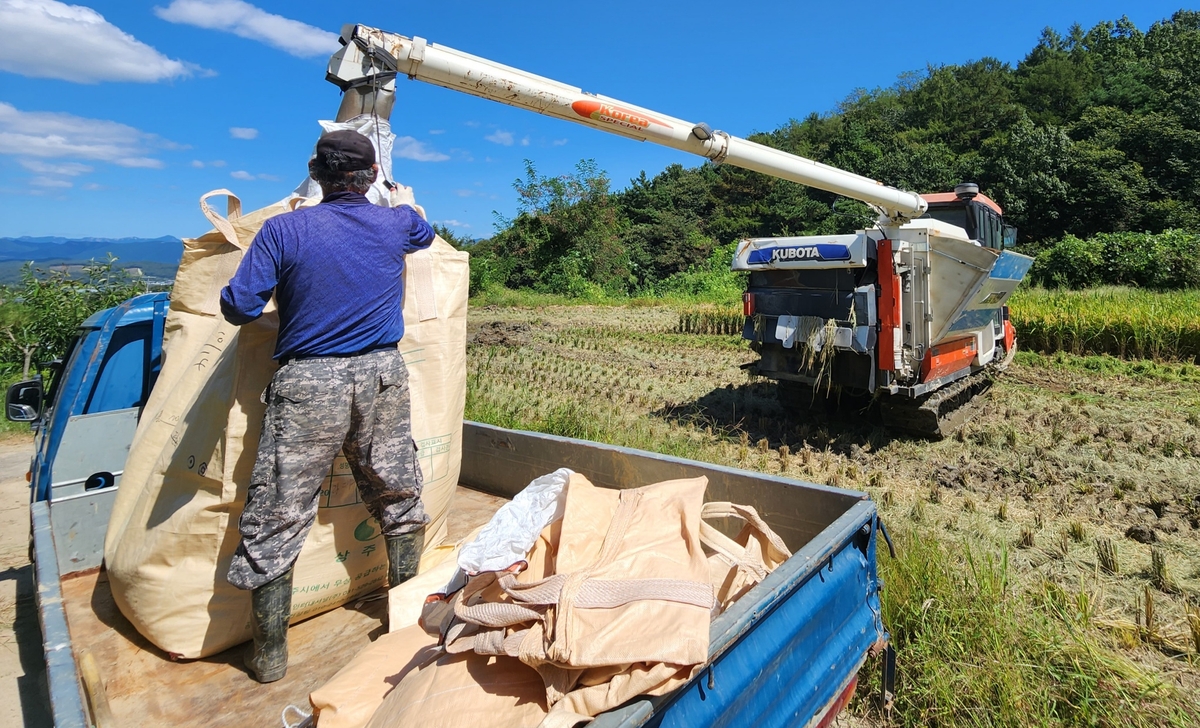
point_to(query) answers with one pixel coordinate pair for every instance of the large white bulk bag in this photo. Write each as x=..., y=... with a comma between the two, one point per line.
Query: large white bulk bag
x=173, y=529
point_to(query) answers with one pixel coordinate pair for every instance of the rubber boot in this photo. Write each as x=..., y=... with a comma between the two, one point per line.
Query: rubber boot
x=404, y=555
x=271, y=609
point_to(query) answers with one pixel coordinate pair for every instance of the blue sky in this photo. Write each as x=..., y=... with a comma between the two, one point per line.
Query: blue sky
x=116, y=116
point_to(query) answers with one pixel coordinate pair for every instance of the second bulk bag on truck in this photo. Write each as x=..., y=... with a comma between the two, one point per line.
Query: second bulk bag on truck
x=613, y=601
x=646, y=557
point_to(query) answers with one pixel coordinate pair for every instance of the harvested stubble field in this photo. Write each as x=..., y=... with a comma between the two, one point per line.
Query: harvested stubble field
x=1049, y=565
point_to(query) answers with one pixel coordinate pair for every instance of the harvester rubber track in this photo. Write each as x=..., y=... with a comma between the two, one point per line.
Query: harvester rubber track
x=938, y=414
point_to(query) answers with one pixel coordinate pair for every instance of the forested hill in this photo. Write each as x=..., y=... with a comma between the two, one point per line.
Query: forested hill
x=1094, y=131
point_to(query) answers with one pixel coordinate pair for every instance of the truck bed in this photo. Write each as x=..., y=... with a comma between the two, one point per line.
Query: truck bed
x=144, y=688
x=786, y=654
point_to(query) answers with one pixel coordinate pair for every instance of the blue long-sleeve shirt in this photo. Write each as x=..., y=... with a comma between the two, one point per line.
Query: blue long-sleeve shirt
x=335, y=271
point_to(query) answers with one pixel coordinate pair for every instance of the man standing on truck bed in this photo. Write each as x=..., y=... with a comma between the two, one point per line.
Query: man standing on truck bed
x=335, y=271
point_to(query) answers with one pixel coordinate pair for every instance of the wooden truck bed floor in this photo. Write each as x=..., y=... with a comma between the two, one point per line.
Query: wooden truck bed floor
x=145, y=688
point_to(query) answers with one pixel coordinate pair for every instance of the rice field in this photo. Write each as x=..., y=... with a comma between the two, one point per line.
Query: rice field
x=1127, y=323
x=1049, y=556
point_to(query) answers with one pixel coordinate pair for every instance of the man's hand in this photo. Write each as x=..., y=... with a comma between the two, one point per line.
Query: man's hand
x=401, y=195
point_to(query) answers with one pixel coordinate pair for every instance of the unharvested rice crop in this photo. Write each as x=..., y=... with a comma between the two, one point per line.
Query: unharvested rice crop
x=718, y=320
x=1124, y=322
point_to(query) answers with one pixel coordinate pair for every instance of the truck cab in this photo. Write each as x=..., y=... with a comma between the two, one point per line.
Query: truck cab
x=84, y=421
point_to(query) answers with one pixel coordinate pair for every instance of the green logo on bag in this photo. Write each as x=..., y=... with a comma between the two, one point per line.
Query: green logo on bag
x=367, y=530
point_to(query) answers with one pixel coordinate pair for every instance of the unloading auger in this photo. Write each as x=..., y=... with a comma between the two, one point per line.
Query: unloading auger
x=911, y=311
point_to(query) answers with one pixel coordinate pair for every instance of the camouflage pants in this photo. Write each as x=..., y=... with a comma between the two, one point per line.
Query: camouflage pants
x=315, y=407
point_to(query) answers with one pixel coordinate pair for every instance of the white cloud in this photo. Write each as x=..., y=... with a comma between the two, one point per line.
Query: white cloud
x=50, y=182
x=501, y=137
x=476, y=193
x=49, y=39
x=91, y=186
x=246, y=176
x=197, y=164
x=69, y=169
x=406, y=147
x=247, y=21
x=525, y=142
x=217, y=163
x=472, y=124
x=46, y=134
x=435, y=132
x=243, y=132
x=453, y=223
x=142, y=162
x=559, y=142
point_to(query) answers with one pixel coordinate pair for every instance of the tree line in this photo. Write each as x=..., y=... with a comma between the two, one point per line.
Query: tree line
x=1094, y=131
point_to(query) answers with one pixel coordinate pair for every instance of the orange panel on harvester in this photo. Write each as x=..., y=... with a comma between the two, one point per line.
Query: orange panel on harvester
x=948, y=357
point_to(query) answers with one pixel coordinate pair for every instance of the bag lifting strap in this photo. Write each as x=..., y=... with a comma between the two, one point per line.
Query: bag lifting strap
x=222, y=224
x=731, y=551
x=226, y=263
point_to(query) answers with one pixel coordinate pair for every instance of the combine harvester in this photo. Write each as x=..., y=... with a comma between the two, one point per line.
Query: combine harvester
x=911, y=311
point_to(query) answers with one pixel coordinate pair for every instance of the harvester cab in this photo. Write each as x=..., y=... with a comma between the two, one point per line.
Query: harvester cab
x=976, y=213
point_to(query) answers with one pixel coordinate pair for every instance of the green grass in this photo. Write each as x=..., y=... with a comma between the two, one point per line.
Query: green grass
x=524, y=298
x=978, y=648
x=1110, y=366
x=1128, y=323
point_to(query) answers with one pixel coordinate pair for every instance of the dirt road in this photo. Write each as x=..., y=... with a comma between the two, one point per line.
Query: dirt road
x=23, y=699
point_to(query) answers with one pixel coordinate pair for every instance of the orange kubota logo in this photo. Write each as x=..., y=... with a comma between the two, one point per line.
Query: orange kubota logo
x=610, y=114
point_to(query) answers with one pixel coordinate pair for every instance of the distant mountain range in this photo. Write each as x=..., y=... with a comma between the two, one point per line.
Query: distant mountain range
x=128, y=251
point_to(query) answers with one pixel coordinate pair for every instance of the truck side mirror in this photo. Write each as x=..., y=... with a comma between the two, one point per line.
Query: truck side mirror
x=23, y=403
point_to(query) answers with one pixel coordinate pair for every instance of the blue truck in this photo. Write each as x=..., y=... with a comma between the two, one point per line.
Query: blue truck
x=789, y=653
